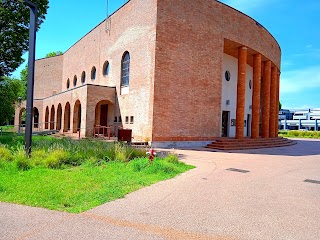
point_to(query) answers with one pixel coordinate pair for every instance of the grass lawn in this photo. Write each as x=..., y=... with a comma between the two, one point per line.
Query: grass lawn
x=76, y=185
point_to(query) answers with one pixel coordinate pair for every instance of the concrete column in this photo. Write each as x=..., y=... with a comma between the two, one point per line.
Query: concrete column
x=256, y=96
x=273, y=103
x=241, y=91
x=266, y=99
x=278, y=99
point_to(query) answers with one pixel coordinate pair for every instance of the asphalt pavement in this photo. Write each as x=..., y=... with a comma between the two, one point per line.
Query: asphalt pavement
x=254, y=194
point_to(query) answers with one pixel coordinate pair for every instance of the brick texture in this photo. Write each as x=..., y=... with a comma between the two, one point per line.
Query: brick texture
x=266, y=99
x=273, y=102
x=256, y=96
x=176, y=53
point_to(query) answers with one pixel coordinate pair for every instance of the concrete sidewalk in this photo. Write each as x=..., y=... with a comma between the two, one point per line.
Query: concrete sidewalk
x=271, y=201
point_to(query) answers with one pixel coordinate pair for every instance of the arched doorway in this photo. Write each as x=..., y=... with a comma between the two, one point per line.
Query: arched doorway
x=77, y=116
x=66, y=122
x=59, y=116
x=35, y=117
x=101, y=113
x=52, y=114
x=46, y=119
x=22, y=116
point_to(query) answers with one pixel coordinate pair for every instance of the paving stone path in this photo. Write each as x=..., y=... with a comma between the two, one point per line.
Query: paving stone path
x=256, y=194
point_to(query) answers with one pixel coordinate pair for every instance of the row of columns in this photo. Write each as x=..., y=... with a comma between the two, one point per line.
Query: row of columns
x=268, y=88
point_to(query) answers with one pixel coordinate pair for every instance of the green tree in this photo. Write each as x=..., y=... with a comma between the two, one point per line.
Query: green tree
x=24, y=79
x=280, y=105
x=11, y=92
x=14, y=32
x=53, y=54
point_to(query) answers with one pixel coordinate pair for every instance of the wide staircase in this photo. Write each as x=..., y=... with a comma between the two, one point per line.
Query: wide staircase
x=249, y=143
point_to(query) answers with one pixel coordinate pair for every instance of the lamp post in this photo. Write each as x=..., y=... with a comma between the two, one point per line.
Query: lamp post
x=30, y=81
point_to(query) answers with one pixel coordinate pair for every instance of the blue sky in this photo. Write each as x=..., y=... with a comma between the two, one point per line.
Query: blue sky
x=294, y=23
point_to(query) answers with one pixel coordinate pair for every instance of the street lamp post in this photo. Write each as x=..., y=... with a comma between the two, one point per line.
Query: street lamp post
x=30, y=82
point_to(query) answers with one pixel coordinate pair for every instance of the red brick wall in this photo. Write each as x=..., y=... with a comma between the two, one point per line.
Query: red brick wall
x=48, y=75
x=132, y=29
x=188, y=67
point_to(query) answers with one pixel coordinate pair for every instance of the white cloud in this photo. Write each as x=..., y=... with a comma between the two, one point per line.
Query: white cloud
x=300, y=80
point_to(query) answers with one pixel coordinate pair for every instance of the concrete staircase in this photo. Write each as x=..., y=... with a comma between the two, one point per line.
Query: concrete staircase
x=249, y=143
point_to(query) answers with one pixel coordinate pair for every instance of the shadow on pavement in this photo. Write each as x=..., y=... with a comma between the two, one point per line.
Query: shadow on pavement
x=304, y=147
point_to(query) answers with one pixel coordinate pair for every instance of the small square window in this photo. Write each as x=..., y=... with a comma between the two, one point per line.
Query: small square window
x=115, y=119
x=127, y=119
x=131, y=120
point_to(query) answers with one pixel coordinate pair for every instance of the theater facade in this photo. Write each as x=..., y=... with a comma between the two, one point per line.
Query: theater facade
x=178, y=73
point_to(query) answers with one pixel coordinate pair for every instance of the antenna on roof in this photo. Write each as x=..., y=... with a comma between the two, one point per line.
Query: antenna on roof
x=108, y=20
x=107, y=6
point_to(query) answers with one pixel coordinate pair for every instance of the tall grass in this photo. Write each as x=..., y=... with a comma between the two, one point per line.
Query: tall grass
x=76, y=175
x=60, y=153
x=300, y=134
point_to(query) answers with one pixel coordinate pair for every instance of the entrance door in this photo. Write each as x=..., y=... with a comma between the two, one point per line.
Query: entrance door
x=248, y=125
x=225, y=124
x=104, y=115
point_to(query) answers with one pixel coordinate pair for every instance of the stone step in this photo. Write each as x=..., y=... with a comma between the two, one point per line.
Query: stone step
x=249, y=144
x=246, y=144
x=248, y=139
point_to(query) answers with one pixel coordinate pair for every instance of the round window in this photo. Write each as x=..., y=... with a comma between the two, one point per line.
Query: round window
x=227, y=75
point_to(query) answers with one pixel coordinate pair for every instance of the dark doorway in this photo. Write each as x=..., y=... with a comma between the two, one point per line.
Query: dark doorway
x=79, y=118
x=104, y=115
x=225, y=124
x=35, y=117
x=248, y=125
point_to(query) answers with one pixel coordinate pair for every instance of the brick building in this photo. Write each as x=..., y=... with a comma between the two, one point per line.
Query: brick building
x=176, y=72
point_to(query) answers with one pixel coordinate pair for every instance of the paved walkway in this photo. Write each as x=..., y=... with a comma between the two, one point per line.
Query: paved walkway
x=271, y=201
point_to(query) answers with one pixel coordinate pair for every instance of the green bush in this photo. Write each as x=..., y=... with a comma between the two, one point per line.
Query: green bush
x=56, y=158
x=39, y=156
x=299, y=133
x=55, y=153
x=172, y=158
x=160, y=165
x=139, y=164
x=5, y=154
x=21, y=160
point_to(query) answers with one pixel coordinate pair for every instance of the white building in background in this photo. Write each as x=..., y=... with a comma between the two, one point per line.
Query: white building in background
x=299, y=119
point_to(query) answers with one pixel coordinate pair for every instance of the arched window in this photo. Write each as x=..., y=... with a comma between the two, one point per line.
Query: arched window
x=106, y=67
x=93, y=73
x=68, y=83
x=83, y=77
x=75, y=79
x=125, y=69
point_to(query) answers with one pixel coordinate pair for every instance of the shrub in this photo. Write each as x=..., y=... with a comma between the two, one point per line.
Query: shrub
x=298, y=133
x=21, y=160
x=5, y=154
x=56, y=158
x=139, y=164
x=160, y=165
x=39, y=156
x=172, y=158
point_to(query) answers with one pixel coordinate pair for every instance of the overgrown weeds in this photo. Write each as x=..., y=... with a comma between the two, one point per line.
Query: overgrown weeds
x=60, y=153
x=74, y=176
x=299, y=134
